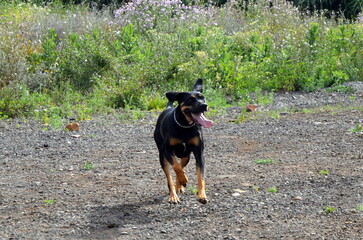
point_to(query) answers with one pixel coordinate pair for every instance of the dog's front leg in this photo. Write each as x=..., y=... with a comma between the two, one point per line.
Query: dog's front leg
x=202, y=197
x=181, y=177
x=169, y=160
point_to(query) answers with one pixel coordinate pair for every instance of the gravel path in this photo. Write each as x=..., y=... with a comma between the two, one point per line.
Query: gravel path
x=105, y=182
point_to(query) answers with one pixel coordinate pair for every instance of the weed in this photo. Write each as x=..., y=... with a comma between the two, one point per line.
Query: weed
x=59, y=61
x=88, y=166
x=341, y=89
x=138, y=114
x=329, y=209
x=272, y=190
x=358, y=128
x=263, y=99
x=324, y=172
x=49, y=202
x=360, y=207
x=155, y=101
x=193, y=189
x=264, y=161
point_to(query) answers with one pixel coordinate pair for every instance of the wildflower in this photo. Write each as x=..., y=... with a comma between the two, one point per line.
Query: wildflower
x=145, y=14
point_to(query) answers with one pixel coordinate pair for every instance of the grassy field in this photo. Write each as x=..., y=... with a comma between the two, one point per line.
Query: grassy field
x=72, y=62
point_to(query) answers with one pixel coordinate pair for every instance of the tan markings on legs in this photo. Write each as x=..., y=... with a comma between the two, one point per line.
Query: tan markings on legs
x=202, y=197
x=181, y=178
x=184, y=161
x=173, y=196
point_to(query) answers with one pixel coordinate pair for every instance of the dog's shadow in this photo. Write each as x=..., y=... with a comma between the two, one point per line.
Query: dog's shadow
x=107, y=220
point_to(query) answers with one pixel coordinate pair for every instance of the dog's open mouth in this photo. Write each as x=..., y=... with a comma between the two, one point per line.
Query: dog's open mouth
x=200, y=119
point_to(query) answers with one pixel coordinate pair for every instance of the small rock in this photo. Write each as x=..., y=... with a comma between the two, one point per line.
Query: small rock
x=236, y=194
x=251, y=108
x=163, y=231
x=239, y=190
x=297, y=198
x=73, y=126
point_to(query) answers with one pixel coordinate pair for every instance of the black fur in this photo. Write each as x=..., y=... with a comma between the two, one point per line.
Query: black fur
x=176, y=135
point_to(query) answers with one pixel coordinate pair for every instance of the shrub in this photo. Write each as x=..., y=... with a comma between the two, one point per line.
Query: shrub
x=161, y=14
x=86, y=60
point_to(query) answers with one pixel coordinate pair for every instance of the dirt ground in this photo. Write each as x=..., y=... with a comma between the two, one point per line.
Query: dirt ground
x=105, y=181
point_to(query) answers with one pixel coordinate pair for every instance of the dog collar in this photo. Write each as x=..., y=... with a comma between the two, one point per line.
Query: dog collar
x=182, y=126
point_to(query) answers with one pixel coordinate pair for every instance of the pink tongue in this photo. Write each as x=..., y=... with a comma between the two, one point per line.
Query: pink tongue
x=202, y=120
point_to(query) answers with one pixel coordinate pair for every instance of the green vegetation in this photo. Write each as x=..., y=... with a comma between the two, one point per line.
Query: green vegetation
x=74, y=61
x=264, y=161
x=360, y=207
x=272, y=190
x=49, y=202
x=357, y=129
x=324, y=172
x=193, y=189
x=329, y=209
x=88, y=166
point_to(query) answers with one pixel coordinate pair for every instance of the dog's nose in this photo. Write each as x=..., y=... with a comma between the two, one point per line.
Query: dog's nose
x=204, y=107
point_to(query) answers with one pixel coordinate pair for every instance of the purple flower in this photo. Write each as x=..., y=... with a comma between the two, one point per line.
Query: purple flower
x=138, y=13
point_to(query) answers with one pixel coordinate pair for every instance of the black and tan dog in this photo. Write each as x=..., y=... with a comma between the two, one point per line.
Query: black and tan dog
x=178, y=133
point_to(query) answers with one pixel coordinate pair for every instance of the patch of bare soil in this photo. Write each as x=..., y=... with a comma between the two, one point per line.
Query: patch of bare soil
x=105, y=181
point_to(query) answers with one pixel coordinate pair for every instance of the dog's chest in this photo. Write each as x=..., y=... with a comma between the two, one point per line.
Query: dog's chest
x=182, y=149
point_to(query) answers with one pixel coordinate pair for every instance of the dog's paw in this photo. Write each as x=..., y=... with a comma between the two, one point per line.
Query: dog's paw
x=180, y=189
x=203, y=200
x=174, y=199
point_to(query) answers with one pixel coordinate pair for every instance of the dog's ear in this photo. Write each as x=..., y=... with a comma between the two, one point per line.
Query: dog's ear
x=198, y=86
x=175, y=96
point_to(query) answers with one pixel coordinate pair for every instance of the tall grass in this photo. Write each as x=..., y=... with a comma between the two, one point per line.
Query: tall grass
x=60, y=58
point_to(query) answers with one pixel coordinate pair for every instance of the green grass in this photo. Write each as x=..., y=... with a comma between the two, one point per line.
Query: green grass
x=357, y=129
x=329, y=209
x=92, y=62
x=49, y=202
x=360, y=207
x=193, y=189
x=264, y=161
x=272, y=189
x=324, y=172
x=88, y=166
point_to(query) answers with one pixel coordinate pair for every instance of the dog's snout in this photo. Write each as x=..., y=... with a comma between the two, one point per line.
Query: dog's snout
x=204, y=107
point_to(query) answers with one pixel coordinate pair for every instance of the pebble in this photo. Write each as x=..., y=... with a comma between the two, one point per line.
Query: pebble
x=236, y=194
x=73, y=126
x=239, y=190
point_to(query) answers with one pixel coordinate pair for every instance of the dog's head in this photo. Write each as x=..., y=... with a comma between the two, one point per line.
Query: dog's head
x=192, y=104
